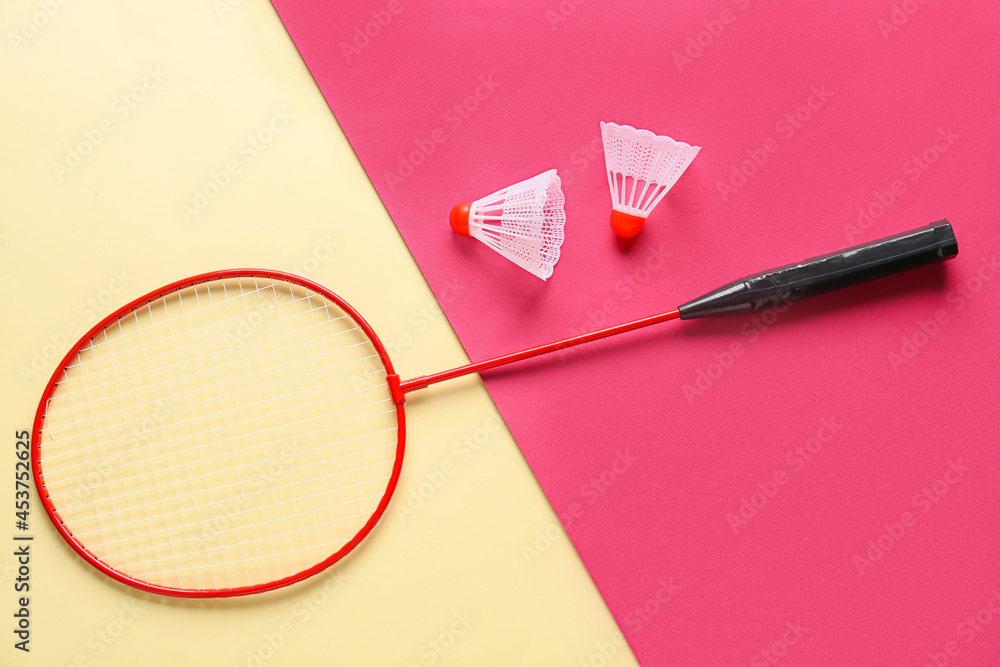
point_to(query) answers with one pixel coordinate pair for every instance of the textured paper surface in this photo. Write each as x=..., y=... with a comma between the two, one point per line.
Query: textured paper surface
x=210, y=91
x=822, y=125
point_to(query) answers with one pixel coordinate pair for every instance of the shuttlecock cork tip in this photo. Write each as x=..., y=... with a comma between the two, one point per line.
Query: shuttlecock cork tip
x=626, y=225
x=459, y=218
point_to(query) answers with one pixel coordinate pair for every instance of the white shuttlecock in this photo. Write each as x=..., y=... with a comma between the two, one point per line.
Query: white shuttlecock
x=523, y=222
x=642, y=167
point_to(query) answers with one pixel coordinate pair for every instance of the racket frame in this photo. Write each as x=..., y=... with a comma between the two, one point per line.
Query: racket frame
x=392, y=380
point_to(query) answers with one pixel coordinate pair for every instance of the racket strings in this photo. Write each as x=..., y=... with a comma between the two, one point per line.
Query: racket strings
x=206, y=402
x=177, y=351
x=169, y=458
x=204, y=388
x=243, y=561
x=178, y=497
x=219, y=456
x=241, y=555
x=240, y=317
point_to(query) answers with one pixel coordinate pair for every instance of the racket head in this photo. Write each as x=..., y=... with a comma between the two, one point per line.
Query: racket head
x=329, y=455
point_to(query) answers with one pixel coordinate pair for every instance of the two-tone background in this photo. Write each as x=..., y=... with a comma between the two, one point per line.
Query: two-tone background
x=808, y=487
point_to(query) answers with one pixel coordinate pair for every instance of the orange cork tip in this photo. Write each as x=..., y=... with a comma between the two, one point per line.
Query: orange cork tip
x=459, y=218
x=624, y=224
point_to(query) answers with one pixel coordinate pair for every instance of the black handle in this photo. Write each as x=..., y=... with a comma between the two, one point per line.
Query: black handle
x=933, y=243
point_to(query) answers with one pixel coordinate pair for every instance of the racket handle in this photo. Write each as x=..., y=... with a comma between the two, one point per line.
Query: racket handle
x=932, y=243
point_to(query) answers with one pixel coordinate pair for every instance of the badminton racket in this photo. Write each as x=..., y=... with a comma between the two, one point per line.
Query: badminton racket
x=241, y=430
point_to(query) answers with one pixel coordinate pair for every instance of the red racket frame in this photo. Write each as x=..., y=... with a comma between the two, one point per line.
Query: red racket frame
x=397, y=467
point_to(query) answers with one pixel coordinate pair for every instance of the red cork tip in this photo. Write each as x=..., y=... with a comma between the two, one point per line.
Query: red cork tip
x=625, y=224
x=459, y=218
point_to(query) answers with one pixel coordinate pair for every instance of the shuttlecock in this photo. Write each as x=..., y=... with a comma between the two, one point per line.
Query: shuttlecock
x=523, y=222
x=642, y=167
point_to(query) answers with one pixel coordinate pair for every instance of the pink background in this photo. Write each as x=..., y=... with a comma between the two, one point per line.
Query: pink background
x=643, y=471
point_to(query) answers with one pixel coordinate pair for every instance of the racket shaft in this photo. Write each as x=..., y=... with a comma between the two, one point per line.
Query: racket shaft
x=468, y=369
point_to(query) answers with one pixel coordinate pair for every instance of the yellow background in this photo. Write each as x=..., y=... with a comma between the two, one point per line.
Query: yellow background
x=78, y=241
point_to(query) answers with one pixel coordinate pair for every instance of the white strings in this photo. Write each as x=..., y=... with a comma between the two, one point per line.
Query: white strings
x=226, y=435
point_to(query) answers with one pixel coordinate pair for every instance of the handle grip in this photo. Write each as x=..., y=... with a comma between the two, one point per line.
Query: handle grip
x=932, y=243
